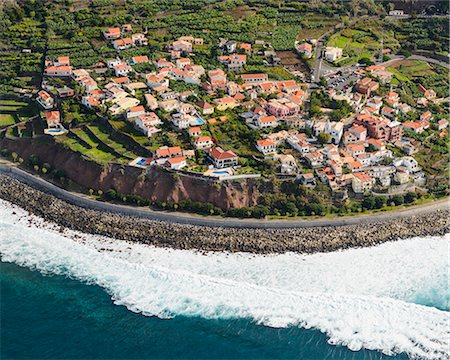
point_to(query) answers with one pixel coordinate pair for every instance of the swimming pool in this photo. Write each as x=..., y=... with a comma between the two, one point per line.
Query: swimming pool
x=141, y=161
x=198, y=121
x=221, y=172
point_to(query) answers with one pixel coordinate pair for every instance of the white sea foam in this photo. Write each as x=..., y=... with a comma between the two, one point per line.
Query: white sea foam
x=362, y=298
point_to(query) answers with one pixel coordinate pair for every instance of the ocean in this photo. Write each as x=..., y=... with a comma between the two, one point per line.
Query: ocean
x=67, y=295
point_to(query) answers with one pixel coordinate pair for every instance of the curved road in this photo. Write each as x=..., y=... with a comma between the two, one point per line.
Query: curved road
x=85, y=202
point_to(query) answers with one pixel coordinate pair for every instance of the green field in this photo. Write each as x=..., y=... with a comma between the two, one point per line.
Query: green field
x=6, y=120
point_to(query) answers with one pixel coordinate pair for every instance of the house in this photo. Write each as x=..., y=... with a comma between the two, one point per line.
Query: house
x=165, y=152
x=195, y=131
x=246, y=47
x=176, y=163
x=151, y=101
x=366, y=86
x=139, y=60
x=221, y=158
x=206, y=108
x=362, y=183
x=122, y=44
x=225, y=103
x=181, y=121
x=181, y=45
x=58, y=71
x=127, y=28
x=357, y=133
x=254, y=78
x=335, y=130
x=45, y=100
x=442, y=124
x=307, y=180
x=192, y=40
x=122, y=70
x=429, y=94
x=314, y=158
x=416, y=126
x=139, y=40
x=203, y=142
x=288, y=163
x=154, y=81
x=90, y=102
x=123, y=104
x=112, y=33
x=235, y=62
x=168, y=105
x=217, y=79
x=53, y=118
x=266, y=146
x=147, y=123
x=135, y=112
x=332, y=53
x=426, y=116
x=396, y=13
x=305, y=49
x=355, y=149
x=182, y=63
x=78, y=74
x=282, y=107
x=65, y=92
x=266, y=121
x=230, y=45
x=88, y=83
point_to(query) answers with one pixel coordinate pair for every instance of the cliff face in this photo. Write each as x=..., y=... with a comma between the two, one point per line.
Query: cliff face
x=155, y=184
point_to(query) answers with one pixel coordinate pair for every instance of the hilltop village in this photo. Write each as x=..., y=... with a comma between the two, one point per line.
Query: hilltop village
x=367, y=148
x=348, y=134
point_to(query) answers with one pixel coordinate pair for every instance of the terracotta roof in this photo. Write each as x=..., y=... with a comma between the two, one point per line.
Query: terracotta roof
x=220, y=154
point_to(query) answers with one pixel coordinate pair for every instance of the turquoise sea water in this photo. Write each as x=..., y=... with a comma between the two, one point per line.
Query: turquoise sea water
x=67, y=295
x=58, y=317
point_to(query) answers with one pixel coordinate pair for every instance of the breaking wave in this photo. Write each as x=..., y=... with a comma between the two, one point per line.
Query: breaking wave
x=393, y=298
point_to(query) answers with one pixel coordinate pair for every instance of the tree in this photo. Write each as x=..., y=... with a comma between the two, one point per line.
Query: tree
x=323, y=138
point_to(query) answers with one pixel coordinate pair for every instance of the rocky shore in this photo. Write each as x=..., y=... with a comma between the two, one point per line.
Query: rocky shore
x=183, y=236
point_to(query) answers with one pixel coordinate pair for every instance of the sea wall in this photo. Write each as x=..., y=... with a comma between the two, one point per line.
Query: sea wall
x=184, y=236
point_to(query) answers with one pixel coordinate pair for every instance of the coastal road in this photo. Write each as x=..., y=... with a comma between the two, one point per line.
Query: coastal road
x=146, y=213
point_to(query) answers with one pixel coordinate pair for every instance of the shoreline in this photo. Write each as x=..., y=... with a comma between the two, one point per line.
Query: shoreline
x=307, y=239
x=84, y=201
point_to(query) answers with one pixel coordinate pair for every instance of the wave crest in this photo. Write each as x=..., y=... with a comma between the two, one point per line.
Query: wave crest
x=361, y=298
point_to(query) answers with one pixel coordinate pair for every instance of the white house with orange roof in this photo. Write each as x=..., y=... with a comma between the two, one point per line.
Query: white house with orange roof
x=122, y=44
x=176, y=163
x=134, y=112
x=139, y=40
x=262, y=122
x=222, y=158
x=254, y=78
x=362, y=183
x=45, y=99
x=181, y=45
x=266, y=146
x=203, y=143
x=53, y=118
x=111, y=33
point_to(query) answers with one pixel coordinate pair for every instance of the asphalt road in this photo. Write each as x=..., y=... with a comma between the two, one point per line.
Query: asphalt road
x=146, y=213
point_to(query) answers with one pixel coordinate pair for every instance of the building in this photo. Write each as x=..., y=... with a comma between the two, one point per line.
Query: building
x=112, y=33
x=53, y=118
x=122, y=44
x=135, y=112
x=332, y=53
x=176, y=163
x=266, y=121
x=254, y=78
x=366, y=86
x=362, y=183
x=266, y=146
x=182, y=46
x=206, y=108
x=58, y=71
x=221, y=158
x=305, y=49
x=235, y=62
x=165, y=152
x=203, y=143
x=45, y=99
